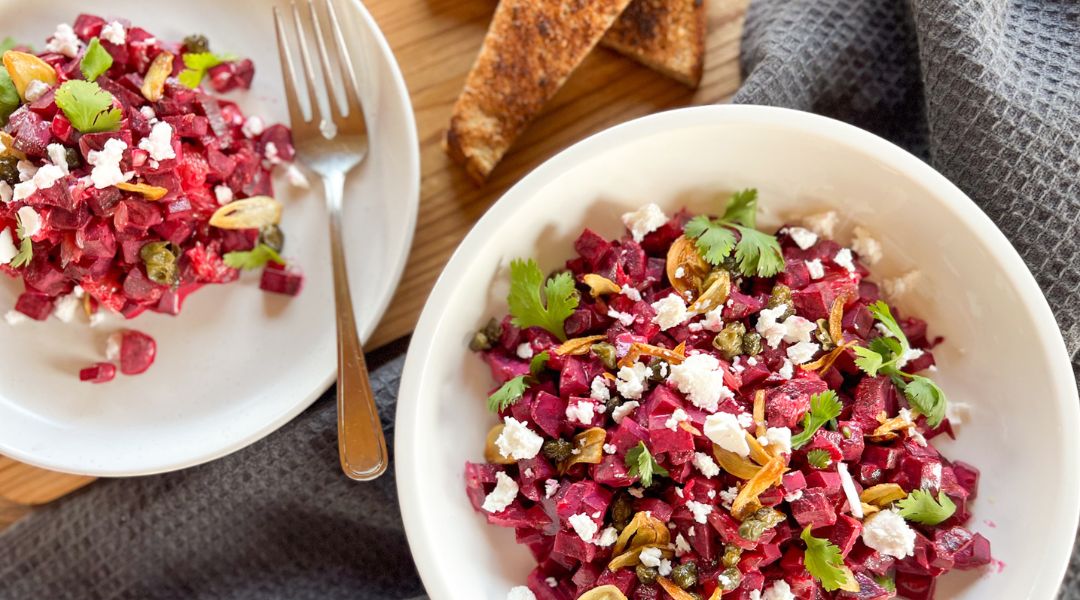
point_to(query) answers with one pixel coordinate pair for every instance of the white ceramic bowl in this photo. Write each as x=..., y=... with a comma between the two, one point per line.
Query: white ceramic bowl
x=1003, y=352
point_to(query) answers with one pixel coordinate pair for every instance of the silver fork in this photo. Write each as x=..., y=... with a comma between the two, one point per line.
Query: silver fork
x=331, y=145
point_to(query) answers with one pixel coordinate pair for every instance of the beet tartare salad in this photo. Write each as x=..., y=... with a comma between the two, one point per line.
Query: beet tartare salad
x=700, y=409
x=127, y=184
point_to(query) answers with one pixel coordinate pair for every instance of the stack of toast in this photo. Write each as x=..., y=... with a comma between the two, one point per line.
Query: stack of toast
x=532, y=47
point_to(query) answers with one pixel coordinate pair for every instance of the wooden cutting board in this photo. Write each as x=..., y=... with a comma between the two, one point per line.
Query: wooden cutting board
x=435, y=42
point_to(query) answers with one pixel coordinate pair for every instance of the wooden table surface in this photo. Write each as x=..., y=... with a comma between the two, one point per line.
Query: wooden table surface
x=435, y=42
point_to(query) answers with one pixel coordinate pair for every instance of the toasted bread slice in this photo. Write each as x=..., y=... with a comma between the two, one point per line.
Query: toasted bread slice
x=665, y=35
x=531, y=47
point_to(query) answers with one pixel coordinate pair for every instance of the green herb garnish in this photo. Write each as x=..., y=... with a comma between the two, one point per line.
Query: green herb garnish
x=919, y=506
x=89, y=108
x=756, y=253
x=26, y=247
x=818, y=458
x=198, y=63
x=95, y=61
x=538, y=363
x=886, y=582
x=256, y=258
x=824, y=407
x=641, y=463
x=509, y=393
x=9, y=96
x=883, y=356
x=527, y=304
x=824, y=562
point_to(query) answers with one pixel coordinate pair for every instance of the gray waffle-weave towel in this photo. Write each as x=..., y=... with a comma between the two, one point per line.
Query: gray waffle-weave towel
x=987, y=91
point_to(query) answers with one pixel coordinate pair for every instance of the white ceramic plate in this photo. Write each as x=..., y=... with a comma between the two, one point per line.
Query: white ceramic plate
x=238, y=363
x=1004, y=354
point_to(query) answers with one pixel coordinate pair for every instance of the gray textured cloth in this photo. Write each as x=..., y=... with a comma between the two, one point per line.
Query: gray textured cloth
x=987, y=91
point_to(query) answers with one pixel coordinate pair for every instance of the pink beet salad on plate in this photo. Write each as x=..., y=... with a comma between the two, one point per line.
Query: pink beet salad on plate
x=127, y=183
x=702, y=410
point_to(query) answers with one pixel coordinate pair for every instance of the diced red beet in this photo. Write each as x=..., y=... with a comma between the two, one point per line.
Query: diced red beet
x=968, y=477
x=826, y=480
x=741, y=306
x=574, y=380
x=137, y=352
x=232, y=75
x=477, y=475
x=87, y=26
x=845, y=533
x=569, y=544
x=542, y=591
x=815, y=300
x=281, y=281
x=869, y=589
x=35, y=305
x=139, y=287
x=974, y=555
x=813, y=509
x=795, y=275
x=101, y=372
x=624, y=579
x=873, y=396
x=915, y=587
x=582, y=497
x=786, y=404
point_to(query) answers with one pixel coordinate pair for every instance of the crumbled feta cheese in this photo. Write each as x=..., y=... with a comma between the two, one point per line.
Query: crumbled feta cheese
x=631, y=293
x=745, y=419
x=550, y=487
x=636, y=492
x=705, y=463
x=581, y=411
x=622, y=410
x=957, y=413
x=8, y=251
x=725, y=431
x=681, y=545
x=253, y=126
x=610, y=449
x=106, y=163
x=26, y=170
x=866, y=246
x=777, y=437
x=912, y=431
x=584, y=526
x=793, y=329
x=679, y=272
x=551, y=582
x=114, y=33
x=58, y=156
x=23, y=190
x=598, y=389
x=47, y=176
x=793, y=496
x=650, y=557
x=224, y=194
x=159, y=143
x=909, y=355
x=802, y=352
x=888, y=533
x=670, y=312
x=714, y=320
x=626, y=319
x=787, y=370
x=148, y=113
x=631, y=380
x=521, y=592
x=852, y=495
x=752, y=361
x=780, y=590
x=677, y=416
x=35, y=90
x=644, y=221
x=665, y=567
x=66, y=308
x=823, y=224
x=897, y=287
x=803, y=238
x=30, y=220
x=607, y=537
x=14, y=317
x=64, y=41
x=525, y=351
x=700, y=378
x=844, y=259
x=97, y=318
x=296, y=177
x=6, y=192
x=815, y=268
x=506, y=489
x=270, y=151
x=725, y=581
x=517, y=441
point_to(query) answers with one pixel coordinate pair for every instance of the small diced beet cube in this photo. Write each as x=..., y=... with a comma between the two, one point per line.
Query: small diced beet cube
x=101, y=372
x=975, y=554
x=915, y=587
x=845, y=533
x=279, y=280
x=813, y=509
x=35, y=305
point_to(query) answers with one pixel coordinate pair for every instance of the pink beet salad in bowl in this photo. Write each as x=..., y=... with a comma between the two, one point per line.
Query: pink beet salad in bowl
x=703, y=410
x=127, y=182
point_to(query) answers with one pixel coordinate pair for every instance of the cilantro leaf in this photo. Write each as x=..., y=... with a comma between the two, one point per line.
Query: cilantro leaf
x=25, y=255
x=824, y=407
x=10, y=43
x=528, y=307
x=886, y=582
x=641, y=463
x=880, y=311
x=714, y=240
x=256, y=258
x=868, y=360
x=89, y=108
x=96, y=61
x=9, y=96
x=758, y=253
x=509, y=393
x=818, y=458
x=824, y=562
x=538, y=363
x=742, y=208
x=198, y=63
x=927, y=398
x=919, y=506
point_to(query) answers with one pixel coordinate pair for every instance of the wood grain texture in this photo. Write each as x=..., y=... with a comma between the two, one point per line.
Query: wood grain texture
x=435, y=42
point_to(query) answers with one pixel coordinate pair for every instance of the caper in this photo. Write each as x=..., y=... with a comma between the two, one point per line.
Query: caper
x=781, y=294
x=729, y=579
x=557, y=450
x=493, y=330
x=645, y=574
x=622, y=511
x=160, y=260
x=612, y=403
x=751, y=529
x=606, y=353
x=823, y=336
x=732, y=556
x=72, y=158
x=479, y=342
x=729, y=340
x=751, y=343
x=196, y=43
x=658, y=371
x=272, y=236
x=9, y=171
x=685, y=575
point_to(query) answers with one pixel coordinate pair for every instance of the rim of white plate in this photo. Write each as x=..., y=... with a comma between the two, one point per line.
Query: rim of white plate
x=438, y=582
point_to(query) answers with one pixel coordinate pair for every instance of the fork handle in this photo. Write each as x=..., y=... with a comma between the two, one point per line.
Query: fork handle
x=361, y=444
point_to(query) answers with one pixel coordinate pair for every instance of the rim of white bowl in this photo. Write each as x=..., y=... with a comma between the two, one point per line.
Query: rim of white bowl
x=439, y=582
